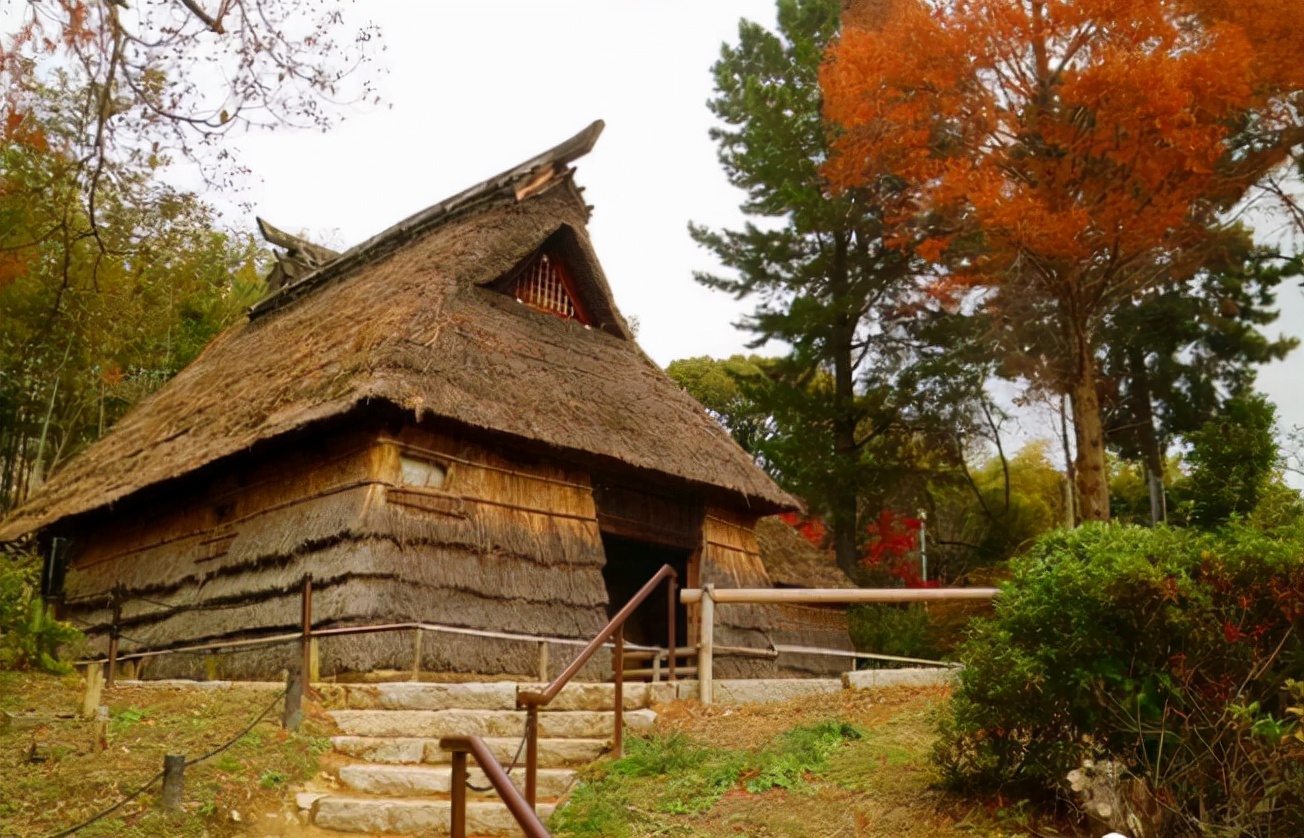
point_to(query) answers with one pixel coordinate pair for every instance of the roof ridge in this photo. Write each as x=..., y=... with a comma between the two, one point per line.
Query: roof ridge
x=519, y=182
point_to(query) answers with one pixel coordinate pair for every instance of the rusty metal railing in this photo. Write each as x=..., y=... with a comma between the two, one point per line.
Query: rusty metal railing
x=615, y=629
x=522, y=810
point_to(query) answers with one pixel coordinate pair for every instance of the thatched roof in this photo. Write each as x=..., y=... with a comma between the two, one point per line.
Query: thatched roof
x=793, y=562
x=408, y=318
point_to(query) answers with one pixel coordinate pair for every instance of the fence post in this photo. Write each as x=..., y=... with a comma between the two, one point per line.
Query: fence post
x=618, y=694
x=174, y=768
x=672, y=589
x=416, y=655
x=94, y=689
x=306, y=649
x=543, y=662
x=113, y=641
x=293, y=711
x=706, y=645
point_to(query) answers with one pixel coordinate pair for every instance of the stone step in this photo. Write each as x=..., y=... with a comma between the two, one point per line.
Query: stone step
x=414, y=750
x=432, y=724
x=413, y=695
x=583, y=696
x=414, y=780
x=381, y=815
x=485, y=696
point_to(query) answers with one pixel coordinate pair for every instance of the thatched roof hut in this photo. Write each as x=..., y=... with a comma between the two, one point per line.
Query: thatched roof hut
x=793, y=562
x=450, y=422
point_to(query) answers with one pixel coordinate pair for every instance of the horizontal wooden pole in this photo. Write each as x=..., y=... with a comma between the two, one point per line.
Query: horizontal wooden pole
x=837, y=595
x=650, y=673
x=649, y=654
x=870, y=656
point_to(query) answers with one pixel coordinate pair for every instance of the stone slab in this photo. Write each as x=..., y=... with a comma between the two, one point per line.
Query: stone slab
x=731, y=691
x=414, y=816
x=589, y=696
x=414, y=780
x=414, y=750
x=305, y=799
x=870, y=679
x=432, y=724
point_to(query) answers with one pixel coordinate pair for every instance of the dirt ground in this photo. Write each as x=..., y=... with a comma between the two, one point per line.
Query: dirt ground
x=56, y=770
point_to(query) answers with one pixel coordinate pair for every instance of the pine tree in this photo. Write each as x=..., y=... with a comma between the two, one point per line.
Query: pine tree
x=824, y=280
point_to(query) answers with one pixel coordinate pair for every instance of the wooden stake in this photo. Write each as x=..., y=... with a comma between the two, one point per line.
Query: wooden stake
x=174, y=768
x=94, y=690
x=292, y=715
x=416, y=655
x=101, y=741
x=543, y=663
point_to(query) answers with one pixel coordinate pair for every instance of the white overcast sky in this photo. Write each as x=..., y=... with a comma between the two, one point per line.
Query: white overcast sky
x=472, y=88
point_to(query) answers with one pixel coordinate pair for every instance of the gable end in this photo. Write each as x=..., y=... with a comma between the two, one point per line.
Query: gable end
x=558, y=278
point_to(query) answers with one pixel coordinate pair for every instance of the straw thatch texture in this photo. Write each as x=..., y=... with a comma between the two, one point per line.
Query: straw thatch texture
x=520, y=552
x=418, y=330
x=731, y=559
x=793, y=562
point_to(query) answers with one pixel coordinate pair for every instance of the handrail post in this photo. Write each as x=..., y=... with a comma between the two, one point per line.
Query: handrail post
x=672, y=585
x=618, y=737
x=525, y=815
x=531, y=752
x=457, y=825
x=706, y=645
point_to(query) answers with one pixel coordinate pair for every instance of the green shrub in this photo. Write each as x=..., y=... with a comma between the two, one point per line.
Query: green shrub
x=892, y=630
x=1166, y=650
x=30, y=636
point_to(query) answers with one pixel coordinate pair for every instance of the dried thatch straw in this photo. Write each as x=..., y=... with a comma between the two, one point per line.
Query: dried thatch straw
x=413, y=322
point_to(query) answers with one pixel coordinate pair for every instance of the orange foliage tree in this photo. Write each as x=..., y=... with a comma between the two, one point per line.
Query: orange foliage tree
x=1057, y=158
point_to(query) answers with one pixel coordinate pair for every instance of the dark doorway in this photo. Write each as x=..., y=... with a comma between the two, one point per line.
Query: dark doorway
x=630, y=563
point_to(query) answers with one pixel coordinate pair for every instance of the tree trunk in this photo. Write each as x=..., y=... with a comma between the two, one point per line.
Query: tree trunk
x=1089, y=464
x=1151, y=451
x=845, y=493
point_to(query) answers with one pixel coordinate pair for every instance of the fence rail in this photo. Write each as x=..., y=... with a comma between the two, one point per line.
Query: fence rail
x=707, y=597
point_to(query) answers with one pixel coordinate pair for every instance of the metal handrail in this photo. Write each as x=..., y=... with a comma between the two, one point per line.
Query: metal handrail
x=522, y=810
x=615, y=629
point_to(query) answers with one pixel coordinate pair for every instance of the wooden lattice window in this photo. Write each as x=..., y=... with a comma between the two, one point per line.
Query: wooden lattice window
x=544, y=286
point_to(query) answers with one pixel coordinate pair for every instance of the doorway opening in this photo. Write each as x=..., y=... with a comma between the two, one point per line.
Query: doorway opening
x=630, y=563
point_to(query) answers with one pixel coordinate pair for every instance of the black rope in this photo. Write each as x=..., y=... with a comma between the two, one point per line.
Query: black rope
x=525, y=736
x=152, y=780
x=115, y=807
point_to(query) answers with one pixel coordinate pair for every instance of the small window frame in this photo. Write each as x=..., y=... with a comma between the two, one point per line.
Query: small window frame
x=422, y=459
x=563, y=271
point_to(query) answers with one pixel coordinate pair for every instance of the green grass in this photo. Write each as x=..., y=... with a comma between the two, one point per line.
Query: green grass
x=669, y=774
x=845, y=764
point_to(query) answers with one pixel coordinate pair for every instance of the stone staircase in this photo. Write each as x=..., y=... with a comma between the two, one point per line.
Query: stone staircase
x=391, y=777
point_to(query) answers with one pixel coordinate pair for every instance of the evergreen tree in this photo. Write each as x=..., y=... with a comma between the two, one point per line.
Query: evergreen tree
x=825, y=282
x=1169, y=356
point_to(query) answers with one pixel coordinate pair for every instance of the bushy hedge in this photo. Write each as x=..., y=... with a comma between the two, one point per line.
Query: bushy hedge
x=1169, y=651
